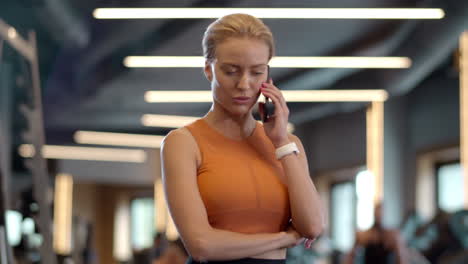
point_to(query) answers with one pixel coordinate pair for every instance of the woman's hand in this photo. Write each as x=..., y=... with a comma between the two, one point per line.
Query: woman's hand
x=296, y=238
x=276, y=127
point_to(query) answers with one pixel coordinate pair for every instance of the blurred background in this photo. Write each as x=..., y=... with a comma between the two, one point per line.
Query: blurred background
x=69, y=86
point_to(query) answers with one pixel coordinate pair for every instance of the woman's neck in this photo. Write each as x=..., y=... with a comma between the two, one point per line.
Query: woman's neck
x=236, y=127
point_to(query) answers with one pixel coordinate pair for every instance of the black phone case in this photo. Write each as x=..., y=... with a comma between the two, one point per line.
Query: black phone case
x=269, y=107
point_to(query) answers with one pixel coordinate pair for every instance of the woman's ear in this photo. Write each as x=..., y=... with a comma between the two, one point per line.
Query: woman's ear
x=208, y=71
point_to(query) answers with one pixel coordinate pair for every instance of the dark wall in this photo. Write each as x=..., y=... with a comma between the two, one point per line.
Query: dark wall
x=425, y=119
x=396, y=153
x=335, y=142
x=434, y=116
x=433, y=123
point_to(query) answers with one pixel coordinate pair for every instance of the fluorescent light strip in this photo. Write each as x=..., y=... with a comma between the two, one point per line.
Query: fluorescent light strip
x=118, y=139
x=85, y=153
x=289, y=95
x=276, y=62
x=280, y=13
x=173, y=121
x=179, y=97
x=63, y=202
x=375, y=136
x=341, y=62
x=164, y=61
x=122, y=248
x=169, y=121
x=160, y=207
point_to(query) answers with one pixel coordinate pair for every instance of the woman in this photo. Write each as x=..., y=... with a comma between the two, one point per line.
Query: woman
x=239, y=191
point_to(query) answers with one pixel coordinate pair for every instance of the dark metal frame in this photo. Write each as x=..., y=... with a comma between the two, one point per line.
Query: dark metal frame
x=6, y=255
x=37, y=164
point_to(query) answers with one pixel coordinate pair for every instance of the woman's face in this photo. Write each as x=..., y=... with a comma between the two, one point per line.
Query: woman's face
x=236, y=74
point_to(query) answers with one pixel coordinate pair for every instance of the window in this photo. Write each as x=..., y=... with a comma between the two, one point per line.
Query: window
x=13, y=224
x=343, y=215
x=365, y=200
x=142, y=223
x=450, y=187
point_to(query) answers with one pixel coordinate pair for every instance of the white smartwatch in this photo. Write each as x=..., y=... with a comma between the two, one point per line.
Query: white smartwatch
x=286, y=150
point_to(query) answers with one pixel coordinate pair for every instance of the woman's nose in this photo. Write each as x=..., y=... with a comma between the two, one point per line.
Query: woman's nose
x=244, y=82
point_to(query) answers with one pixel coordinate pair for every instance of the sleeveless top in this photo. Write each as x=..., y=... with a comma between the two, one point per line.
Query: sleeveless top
x=240, y=181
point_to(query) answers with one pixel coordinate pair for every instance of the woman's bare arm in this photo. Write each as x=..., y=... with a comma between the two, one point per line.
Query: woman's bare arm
x=179, y=166
x=306, y=207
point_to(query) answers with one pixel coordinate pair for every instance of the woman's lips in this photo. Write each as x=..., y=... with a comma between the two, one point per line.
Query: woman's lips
x=241, y=100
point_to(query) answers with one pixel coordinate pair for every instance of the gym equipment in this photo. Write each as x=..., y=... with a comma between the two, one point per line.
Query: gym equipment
x=6, y=256
x=409, y=226
x=436, y=239
x=458, y=224
x=37, y=164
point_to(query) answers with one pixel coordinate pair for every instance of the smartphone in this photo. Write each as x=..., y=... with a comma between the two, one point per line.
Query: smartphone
x=268, y=107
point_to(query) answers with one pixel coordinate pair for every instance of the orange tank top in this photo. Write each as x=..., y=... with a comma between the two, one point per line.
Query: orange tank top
x=240, y=181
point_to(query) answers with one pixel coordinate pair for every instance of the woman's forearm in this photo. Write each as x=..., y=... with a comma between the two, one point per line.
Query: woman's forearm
x=306, y=207
x=218, y=244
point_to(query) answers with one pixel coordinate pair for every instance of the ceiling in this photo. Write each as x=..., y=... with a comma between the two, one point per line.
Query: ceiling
x=86, y=87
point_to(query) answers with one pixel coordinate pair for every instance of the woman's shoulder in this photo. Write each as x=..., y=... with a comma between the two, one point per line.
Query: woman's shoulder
x=179, y=137
x=180, y=141
x=179, y=132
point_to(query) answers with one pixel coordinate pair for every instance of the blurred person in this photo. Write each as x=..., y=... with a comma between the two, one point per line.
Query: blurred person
x=239, y=191
x=159, y=245
x=174, y=253
x=142, y=256
x=379, y=245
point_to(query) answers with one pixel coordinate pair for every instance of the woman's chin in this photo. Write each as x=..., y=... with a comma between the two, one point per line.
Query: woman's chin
x=241, y=110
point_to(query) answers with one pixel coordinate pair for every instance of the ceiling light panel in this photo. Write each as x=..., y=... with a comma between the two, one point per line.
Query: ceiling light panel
x=276, y=62
x=289, y=95
x=274, y=13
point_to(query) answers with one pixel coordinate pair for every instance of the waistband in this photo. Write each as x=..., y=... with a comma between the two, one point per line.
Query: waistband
x=240, y=261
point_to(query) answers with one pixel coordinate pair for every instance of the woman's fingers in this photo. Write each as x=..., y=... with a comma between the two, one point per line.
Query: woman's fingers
x=308, y=243
x=300, y=241
x=279, y=113
x=276, y=98
x=274, y=91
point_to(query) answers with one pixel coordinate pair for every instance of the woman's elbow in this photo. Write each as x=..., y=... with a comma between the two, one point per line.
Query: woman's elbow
x=314, y=231
x=199, y=250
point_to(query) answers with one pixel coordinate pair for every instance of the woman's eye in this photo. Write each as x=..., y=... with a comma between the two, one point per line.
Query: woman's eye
x=257, y=73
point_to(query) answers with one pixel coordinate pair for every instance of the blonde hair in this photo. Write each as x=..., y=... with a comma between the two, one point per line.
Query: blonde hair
x=239, y=26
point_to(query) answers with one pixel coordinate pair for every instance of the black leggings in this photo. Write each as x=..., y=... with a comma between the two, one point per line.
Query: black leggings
x=240, y=261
